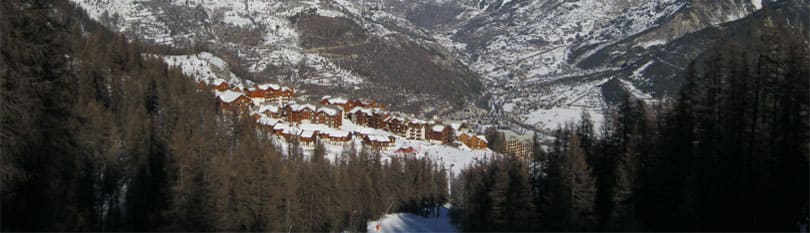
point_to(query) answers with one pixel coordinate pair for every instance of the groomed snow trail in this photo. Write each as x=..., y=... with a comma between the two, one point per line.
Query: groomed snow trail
x=406, y=222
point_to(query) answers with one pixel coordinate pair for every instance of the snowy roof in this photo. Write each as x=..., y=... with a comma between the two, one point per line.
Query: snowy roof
x=364, y=131
x=291, y=130
x=396, y=117
x=377, y=138
x=228, y=96
x=308, y=133
x=417, y=121
x=309, y=106
x=360, y=109
x=336, y=133
x=455, y=126
x=301, y=107
x=313, y=127
x=482, y=138
x=218, y=81
x=269, y=86
x=268, y=107
x=438, y=128
x=371, y=131
x=336, y=100
x=264, y=120
x=280, y=127
x=328, y=111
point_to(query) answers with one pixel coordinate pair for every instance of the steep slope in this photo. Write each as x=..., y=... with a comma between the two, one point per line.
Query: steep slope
x=656, y=66
x=283, y=41
x=533, y=58
x=552, y=57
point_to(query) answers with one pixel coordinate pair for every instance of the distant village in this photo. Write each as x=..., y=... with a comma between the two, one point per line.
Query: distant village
x=276, y=110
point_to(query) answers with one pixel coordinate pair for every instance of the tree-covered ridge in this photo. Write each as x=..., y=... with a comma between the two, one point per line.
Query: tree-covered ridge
x=729, y=154
x=97, y=136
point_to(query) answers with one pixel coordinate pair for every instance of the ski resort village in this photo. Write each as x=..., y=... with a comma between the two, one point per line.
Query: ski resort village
x=338, y=122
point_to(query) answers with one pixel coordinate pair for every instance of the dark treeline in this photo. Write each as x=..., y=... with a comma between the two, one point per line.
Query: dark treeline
x=730, y=154
x=97, y=137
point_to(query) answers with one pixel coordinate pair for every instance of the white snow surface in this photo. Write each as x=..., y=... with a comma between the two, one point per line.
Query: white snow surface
x=757, y=4
x=557, y=117
x=406, y=222
x=530, y=49
x=228, y=95
x=203, y=67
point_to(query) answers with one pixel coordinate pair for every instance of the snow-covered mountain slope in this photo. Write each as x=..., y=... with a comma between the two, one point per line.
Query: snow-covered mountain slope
x=204, y=67
x=409, y=223
x=267, y=40
x=541, y=57
x=535, y=58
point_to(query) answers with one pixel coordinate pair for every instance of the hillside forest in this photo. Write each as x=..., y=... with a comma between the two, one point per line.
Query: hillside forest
x=729, y=153
x=97, y=136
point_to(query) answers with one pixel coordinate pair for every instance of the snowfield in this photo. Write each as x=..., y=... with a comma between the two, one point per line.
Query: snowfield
x=405, y=222
x=557, y=117
x=203, y=67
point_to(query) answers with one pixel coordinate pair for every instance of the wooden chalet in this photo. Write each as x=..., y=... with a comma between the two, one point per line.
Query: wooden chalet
x=475, y=142
x=379, y=142
x=359, y=115
x=459, y=127
x=220, y=85
x=290, y=133
x=267, y=124
x=286, y=94
x=273, y=93
x=328, y=116
x=377, y=120
x=256, y=93
x=335, y=136
x=308, y=137
x=416, y=129
x=366, y=104
x=397, y=125
x=438, y=132
x=232, y=100
x=406, y=152
x=279, y=129
x=298, y=113
x=343, y=104
x=362, y=133
x=270, y=110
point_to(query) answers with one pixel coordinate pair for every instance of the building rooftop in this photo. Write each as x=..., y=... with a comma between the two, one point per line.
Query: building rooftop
x=228, y=96
x=512, y=136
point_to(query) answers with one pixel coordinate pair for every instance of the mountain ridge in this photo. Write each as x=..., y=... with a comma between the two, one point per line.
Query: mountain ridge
x=528, y=55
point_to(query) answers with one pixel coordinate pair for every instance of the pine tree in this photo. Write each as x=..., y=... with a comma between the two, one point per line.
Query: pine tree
x=625, y=186
x=582, y=186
